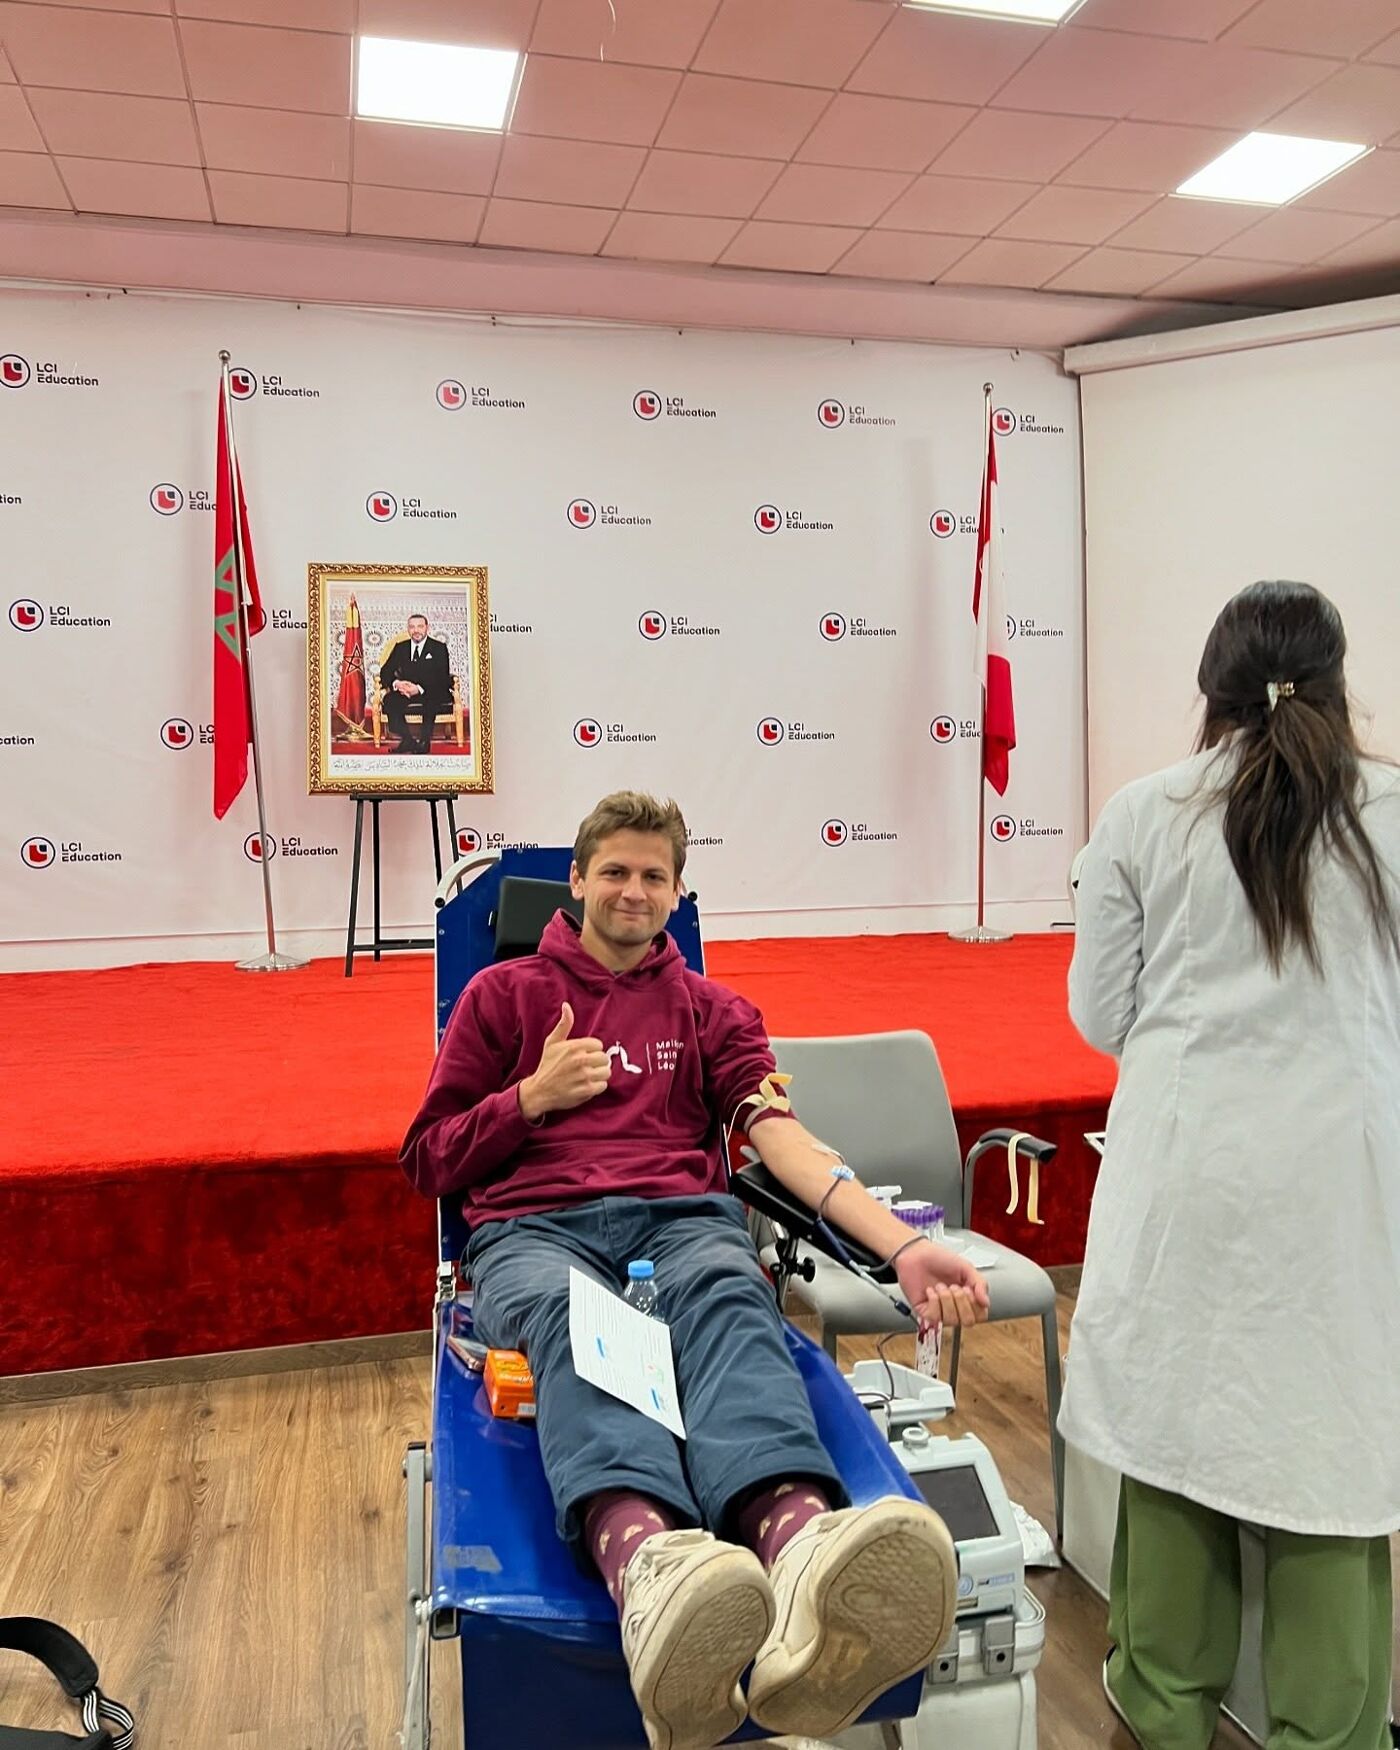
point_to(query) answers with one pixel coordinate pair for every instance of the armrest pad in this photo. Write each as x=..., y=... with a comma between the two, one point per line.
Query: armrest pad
x=755, y=1186
x=1031, y=1146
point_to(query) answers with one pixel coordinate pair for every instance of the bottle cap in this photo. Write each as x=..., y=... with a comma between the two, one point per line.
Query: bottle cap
x=641, y=1270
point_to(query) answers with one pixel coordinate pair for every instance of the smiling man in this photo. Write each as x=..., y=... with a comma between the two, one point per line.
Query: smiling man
x=579, y=1105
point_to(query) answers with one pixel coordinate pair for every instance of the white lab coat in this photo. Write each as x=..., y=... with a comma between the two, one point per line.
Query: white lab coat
x=1237, y=1337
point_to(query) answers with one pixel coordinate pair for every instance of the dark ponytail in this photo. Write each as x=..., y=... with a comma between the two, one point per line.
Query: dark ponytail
x=1273, y=683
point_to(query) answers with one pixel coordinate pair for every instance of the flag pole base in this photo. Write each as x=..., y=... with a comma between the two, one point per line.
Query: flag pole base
x=979, y=934
x=270, y=963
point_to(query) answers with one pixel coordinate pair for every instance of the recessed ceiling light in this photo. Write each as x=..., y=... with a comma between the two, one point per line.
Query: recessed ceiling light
x=1270, y=168
x=1028, y=11
x=437, y=83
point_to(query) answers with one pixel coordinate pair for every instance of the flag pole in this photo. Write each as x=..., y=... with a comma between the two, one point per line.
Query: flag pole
x=272, y=961
x=980, y=933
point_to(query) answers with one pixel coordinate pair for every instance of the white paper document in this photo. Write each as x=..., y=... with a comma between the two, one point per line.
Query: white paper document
x=623, y=1352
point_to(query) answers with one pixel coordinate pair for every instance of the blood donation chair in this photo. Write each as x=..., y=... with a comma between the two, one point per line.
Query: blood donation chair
x=540, y=1657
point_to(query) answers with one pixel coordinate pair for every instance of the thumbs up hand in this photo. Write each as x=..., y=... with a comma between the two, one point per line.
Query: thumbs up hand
x=571, y=1072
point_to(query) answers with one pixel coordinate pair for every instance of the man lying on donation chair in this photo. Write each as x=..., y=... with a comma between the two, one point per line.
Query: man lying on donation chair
x=580, y=1103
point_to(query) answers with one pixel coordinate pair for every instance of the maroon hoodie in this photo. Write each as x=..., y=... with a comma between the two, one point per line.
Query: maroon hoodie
x=684, y=1050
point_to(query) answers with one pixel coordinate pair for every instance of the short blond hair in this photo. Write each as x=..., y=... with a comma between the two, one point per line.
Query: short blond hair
x=630, y=811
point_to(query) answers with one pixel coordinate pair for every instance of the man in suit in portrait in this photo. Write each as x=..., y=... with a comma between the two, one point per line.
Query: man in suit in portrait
x=417, y=678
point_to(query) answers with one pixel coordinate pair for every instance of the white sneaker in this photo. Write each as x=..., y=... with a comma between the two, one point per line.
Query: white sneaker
x=695, y=1611
x=865, y=1597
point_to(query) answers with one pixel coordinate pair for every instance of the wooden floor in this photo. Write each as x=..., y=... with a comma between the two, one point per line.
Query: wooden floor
x=232, y=1552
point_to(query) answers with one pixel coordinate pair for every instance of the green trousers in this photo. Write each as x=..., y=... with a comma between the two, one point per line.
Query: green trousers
x=1174, y=1619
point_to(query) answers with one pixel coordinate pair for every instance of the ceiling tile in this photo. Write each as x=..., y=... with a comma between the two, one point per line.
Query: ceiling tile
x=18, y=132
x=815, y=194
x=28, y=179
x=788, y=248
x=304, y=15
x=1000, y=262
x=1188, y=227
x=574, y=172
x=1006, y=143
x=743, y=116
x=1151, y=156
x=148, y=191
x=160, y=6
x=883, y=133
x=274, y=142
x=1376, y=249
x=591, y=100
x=654, y=33
x=1371, y=185
x=957, y=206
x=1233, y=87
x=902, y=255
x=797, y=42
x=94, y=51
x=1203, y=19
x=292, y=203
x=665, y=237
x=483, y=24
x=154, y=130
x=1360, y=103
x=1073, y=215
x=267, y=69
x=538, y=225
x=7, y=76
x=412, y=212
x=1309, y=29
x=1387, y=52
x=449, y=160
x=1116, y=273
x=943, y=57
x=1099, y=72
x=1297, y=234
x=1219, y=279
x=700, y=182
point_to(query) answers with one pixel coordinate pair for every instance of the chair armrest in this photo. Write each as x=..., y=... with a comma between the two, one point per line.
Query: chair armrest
x=1034, y=1148
x=756, y=1187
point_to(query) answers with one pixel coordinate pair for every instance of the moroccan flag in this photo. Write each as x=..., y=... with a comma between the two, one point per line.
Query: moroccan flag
x=233, y=711
x=350, y=700
x=993, y=640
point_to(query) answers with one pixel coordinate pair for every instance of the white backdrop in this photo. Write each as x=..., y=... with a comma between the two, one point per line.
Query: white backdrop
x=1203, y=475
x=848, y=625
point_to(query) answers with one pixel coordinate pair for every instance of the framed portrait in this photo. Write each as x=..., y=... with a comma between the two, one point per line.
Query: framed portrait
x=398, y=679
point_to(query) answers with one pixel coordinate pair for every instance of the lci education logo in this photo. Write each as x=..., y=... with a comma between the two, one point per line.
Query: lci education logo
x=14, y=373
x=167, y=499
x=830, y=414
x=176, y=734
x=243, y=385
x=646, y=404
x=835, y=832
x=1003, y=829
x=588, y=732
x=833, y=626
x=943, y=523
x=26, y=615
x=381, y=507
x=943, y=730
x=255, y=846
x=582, y=514
x=468, y=841
x=1003, y=422
x=451, y=394
x=652, y=625
x=770, y=731
x=37, y=853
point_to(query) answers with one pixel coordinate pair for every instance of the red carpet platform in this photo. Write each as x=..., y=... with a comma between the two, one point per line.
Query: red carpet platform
x=200, y=1159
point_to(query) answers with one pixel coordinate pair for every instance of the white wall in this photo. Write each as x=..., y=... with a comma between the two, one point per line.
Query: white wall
x=82, y=704
x=1204, y=474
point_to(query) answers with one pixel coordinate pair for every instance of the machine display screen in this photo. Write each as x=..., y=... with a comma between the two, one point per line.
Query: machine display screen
x=957, y=1496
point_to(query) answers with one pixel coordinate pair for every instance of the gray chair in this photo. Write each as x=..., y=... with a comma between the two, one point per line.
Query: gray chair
x=880, y=1099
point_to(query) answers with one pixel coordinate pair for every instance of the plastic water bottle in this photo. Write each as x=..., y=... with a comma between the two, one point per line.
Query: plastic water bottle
x=641, y=1287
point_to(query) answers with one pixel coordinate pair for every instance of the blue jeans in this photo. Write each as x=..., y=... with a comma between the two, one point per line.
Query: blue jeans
x=747, y=1418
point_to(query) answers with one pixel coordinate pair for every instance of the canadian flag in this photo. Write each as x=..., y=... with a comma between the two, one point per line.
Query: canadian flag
x=993, y=663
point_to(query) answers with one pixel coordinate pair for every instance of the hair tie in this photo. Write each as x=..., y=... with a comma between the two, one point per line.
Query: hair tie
x=1279, y=690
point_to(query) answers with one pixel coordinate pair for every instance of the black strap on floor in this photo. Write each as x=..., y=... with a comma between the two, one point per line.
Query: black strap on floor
x=107, y=1723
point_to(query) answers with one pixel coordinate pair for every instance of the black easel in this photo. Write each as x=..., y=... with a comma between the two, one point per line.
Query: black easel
x=381, y=945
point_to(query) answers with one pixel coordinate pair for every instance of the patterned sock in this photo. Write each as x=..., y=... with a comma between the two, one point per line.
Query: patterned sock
x=614, y=1527
x=772, y=1517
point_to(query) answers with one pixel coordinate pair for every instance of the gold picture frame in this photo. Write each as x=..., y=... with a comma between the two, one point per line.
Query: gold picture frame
x=372, y=739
